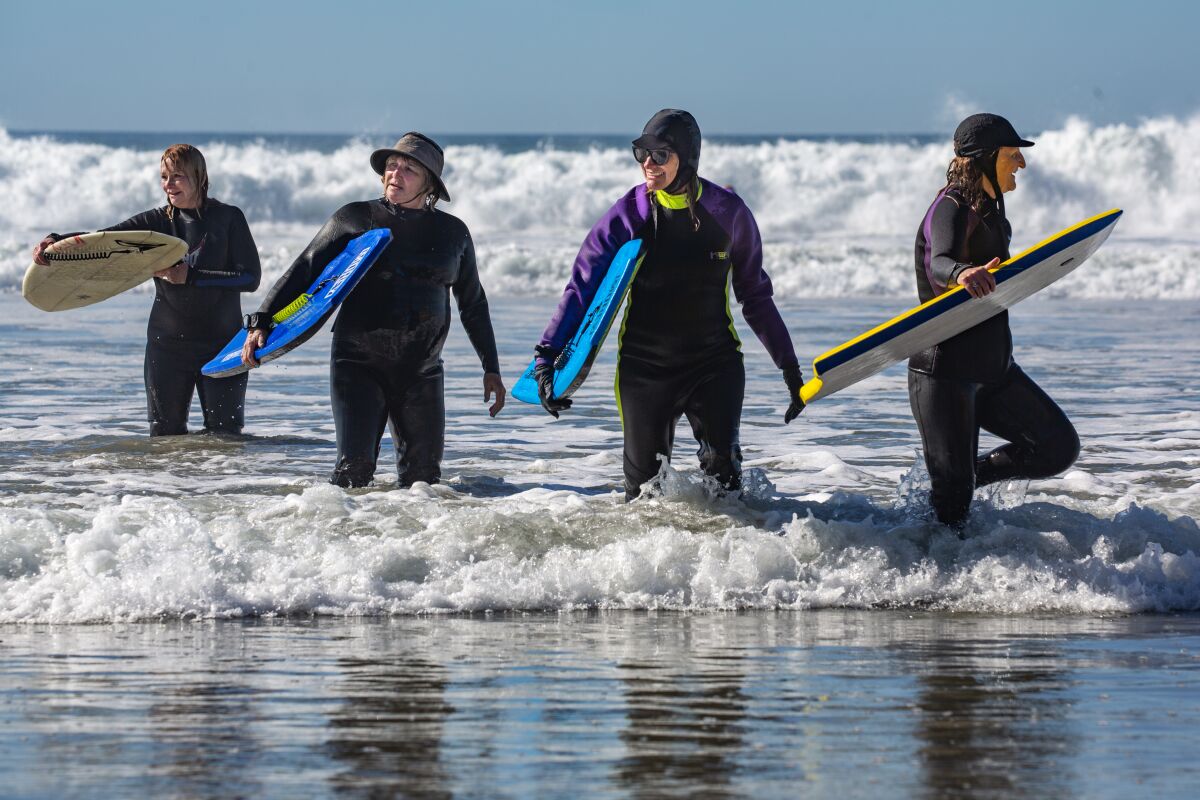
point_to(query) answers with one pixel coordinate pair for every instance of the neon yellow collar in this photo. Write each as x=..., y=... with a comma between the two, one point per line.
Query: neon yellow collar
x=676, y=201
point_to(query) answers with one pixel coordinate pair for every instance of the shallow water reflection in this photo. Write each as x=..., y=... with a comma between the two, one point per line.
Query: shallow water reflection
x=388, y=729
x=832, y=703
x=987, y=728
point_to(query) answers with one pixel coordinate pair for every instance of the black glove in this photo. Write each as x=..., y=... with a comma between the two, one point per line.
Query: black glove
x=544, y=375
x=794, y=380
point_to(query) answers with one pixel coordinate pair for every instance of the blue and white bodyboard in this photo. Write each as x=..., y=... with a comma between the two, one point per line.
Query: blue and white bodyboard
x=304, y=316
x=575, y=361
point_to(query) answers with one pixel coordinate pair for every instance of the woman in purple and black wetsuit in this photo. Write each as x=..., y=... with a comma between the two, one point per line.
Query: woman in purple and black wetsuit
x=970, y=381
x=678, y=353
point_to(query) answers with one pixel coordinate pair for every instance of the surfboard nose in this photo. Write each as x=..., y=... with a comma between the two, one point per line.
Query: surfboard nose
x=810, y=390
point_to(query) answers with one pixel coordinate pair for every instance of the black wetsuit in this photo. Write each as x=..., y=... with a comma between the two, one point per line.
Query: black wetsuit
x=679, y=352
x=190, y=322
x=970, y=380
x=387, y=343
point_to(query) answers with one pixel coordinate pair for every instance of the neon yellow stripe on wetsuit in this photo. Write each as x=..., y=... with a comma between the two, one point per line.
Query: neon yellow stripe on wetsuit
x=675, y=202
x=683, y=303
x=678, y=202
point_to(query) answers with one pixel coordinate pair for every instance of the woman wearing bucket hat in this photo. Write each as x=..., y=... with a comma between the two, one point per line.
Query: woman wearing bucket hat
x=386, y=366
x=678, y=352
x=970, y=381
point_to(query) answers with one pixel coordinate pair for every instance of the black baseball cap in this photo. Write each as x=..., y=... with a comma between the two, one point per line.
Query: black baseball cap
x=980, y=134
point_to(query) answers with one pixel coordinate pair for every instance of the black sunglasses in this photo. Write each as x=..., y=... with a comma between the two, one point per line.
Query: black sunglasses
x=660, y=157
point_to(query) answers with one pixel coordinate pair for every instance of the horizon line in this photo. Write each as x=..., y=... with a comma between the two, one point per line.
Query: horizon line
x=457, y=133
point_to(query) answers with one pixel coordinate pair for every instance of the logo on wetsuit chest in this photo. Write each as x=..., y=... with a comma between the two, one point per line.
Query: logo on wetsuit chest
x=718, y=255
x=192, y=259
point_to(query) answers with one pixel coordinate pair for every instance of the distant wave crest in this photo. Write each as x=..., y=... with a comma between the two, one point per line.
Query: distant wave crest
x=837, y=217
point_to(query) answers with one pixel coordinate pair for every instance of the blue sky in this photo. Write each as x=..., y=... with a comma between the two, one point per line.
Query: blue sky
x=525, y=66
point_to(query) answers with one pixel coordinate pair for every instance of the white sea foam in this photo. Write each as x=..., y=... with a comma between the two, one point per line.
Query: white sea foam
x=429, y=549
x=98, y=522
x=837, y=217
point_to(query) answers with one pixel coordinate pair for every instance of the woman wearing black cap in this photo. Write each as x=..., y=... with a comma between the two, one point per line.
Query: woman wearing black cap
x=970, y=381
x=678, y=353
x=386, y=365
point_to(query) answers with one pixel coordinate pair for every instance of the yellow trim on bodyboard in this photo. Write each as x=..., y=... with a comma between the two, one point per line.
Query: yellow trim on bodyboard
x=813, y=386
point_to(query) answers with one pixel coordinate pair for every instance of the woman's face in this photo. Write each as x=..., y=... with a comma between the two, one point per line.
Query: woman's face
x=404, y=182
x=1008, y=161
x=181, y=192
x=660, y=176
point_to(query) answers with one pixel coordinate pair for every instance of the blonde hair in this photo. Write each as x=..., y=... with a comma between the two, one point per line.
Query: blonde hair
x=190, y=161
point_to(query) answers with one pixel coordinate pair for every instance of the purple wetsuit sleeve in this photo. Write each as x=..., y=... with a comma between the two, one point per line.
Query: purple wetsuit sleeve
x=617, y=227
x=946, y=233
x=752, y=287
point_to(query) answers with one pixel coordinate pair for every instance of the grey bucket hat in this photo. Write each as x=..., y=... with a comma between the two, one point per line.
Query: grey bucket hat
x=419, y=148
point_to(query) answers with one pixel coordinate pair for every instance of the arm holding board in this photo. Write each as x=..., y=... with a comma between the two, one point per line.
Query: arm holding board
x=956, y=310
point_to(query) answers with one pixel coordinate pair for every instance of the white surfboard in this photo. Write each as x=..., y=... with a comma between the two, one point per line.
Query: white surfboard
x=91, y=267
x=955, y=311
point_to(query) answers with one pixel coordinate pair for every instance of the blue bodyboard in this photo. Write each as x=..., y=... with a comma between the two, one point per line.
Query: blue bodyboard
x=304, y=316
x=575, y=361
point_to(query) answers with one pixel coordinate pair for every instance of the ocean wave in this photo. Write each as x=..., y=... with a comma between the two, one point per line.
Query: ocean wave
x=837, y=217
x=431, y=549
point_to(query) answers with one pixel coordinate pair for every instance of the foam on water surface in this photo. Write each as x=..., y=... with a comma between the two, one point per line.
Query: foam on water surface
x=98, y=522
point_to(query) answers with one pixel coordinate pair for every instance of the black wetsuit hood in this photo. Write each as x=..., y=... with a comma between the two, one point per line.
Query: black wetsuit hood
x=677, y=131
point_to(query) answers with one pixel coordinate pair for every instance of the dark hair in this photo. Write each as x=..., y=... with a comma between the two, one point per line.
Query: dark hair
x=693, y=197
x=965, y=177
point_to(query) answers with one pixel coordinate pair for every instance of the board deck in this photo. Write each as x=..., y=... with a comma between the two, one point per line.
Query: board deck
x=91, y=267
x=955, y=311
x=300, y=320
x=572, y=366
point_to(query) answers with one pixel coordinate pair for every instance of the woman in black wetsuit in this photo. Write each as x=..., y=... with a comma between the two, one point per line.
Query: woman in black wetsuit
x=679, y=353
x=197, y=302
x=970, y=381
x=386, y=364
